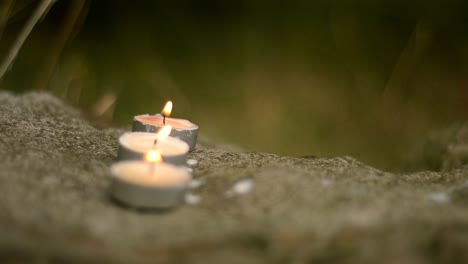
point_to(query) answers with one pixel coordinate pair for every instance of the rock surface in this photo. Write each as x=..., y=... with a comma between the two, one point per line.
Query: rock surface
x=54, y=203
x=442, y=150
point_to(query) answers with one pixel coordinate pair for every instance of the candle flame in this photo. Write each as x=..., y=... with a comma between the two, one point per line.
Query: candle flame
x=153, y=156
x=164, y=132
x=167, y=109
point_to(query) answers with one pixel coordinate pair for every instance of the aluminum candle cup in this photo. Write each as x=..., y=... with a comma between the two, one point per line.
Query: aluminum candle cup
x=149, y=185
x=181, y=128
x=134, y=146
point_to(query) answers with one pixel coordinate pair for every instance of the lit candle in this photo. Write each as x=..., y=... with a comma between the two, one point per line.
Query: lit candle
x=181, y=128
x=134, y=145
x=149, y=183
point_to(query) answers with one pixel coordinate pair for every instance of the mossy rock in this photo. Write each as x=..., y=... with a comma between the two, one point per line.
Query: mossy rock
x=55, y=207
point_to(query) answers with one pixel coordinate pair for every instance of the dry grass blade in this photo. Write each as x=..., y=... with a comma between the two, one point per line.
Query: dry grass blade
x=407, y=62
x=74, y=12
x=5, y=8
x=105, y=104
x=40, y=11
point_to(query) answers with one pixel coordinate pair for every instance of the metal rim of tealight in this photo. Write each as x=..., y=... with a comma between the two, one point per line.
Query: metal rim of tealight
x=150, y=197
x=187, y=135
x=124, y=153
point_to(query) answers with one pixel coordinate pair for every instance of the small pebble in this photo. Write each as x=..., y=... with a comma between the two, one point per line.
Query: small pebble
x=192, y=199
x=439, y=197
x=192, y=162
x=326, y=182
x=241, y=187
x=194, y=184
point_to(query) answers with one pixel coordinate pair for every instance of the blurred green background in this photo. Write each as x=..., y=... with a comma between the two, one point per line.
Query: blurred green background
x=362, y=78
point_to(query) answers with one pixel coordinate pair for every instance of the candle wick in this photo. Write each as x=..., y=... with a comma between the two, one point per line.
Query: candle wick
x=155, y=143
x=164, y=119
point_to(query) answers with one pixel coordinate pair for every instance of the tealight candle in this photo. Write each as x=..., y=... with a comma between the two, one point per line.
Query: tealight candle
x=182, y=129
x=134, y=145
x=149, y=184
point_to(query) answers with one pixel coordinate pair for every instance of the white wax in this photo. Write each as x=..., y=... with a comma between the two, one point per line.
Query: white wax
x=157, y=120
x=150, y=174
x=143, y=142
